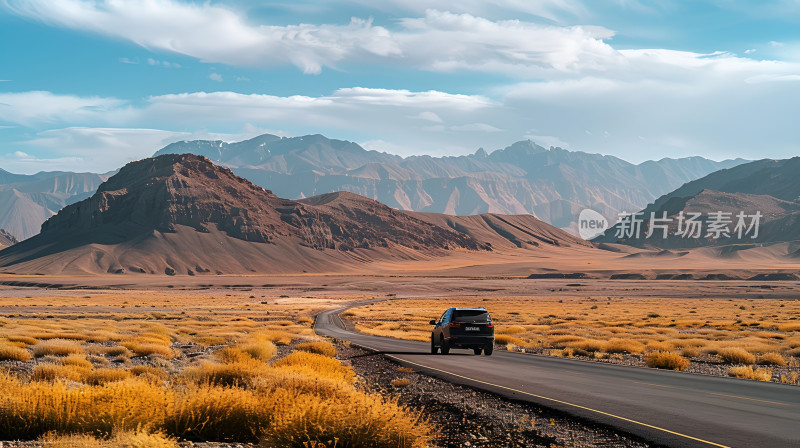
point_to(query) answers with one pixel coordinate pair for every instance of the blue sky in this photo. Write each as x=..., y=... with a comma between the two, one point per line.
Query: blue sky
x=90, y=85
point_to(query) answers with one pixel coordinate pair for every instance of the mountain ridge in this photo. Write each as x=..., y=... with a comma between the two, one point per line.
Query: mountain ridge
x=553, y=184
x=181, y=214
x=767, y=187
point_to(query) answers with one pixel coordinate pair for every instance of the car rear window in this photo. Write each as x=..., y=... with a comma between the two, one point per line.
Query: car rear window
x=471, y=316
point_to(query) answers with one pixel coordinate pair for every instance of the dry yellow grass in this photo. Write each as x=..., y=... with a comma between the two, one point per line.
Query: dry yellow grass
x=320, y=347
x=666, y=360
x=238, y=392
x=106, y=375
x=9, y=352
x=772, y=359
x=312, y=363
x=736, y=356
x=120, y=439
x=150, y=373
x=598, y=326
x=747, y=372
x=142, y=347
x=400, y=382
x=54, y=372
x=77, y=360
x=56, y=347
x=260, y=349
x=27, y=340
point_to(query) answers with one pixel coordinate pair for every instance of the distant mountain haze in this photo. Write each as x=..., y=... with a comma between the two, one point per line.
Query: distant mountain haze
x=554, y=184
x=768, y=187
x=26, y=201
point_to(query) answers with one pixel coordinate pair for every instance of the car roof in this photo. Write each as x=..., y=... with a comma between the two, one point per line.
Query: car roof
x=470, y=309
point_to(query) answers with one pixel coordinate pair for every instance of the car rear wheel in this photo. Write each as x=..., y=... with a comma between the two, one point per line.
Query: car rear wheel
x=445, y=347
x=434, y=348
x=488, y=350
x=477, y=351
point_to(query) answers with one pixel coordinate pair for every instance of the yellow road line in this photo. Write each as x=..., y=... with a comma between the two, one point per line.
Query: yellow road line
x=558, y=401
x=751, y=399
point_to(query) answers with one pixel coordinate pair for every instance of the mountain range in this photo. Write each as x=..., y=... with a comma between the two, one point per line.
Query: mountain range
x=524, y=178
x=767, y=188
x=181, y=214
x=26, y=201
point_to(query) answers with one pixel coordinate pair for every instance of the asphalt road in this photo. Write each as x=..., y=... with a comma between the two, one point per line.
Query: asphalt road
x=669, y=408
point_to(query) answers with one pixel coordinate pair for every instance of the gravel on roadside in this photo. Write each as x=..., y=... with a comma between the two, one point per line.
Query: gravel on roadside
x=464, y=417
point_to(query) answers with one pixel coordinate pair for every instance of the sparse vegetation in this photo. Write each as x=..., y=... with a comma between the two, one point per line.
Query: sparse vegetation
x=747, y=372
x=56, y=347
x=121, y=439
x=320, y=347
x=10, y=352
x=701, y=330
x=736, y=356
x=132, y=386
x=772, y=359
x=666, y=360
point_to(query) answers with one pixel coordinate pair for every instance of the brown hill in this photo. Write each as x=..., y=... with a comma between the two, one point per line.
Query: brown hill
x=183, y=214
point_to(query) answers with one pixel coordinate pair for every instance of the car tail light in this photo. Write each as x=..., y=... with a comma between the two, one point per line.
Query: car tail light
x=490, y=325
x=454, y=325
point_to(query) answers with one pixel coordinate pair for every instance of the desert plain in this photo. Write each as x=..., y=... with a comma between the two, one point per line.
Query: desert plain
x=234, y=359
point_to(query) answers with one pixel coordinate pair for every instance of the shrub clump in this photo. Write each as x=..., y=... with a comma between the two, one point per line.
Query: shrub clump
x=736, y=356
x=666, y=360
x=260, y=349
x=321, y=348
x=747, y=372
x=121, y=439
x=56, y=347
x=10, y=352
x=772, y=359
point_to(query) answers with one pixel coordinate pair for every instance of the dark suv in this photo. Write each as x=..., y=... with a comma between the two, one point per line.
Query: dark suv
x=463, y=328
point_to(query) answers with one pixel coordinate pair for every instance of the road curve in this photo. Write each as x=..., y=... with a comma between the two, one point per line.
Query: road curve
x=668, y=408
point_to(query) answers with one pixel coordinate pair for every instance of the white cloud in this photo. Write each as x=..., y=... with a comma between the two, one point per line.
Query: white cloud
x=167, y=64
x=475, y=127
x=29, y=108
x=214, y=33
x=90, y=149
x=215, y=77
x=21, y=162
x=447, y=42
x=553, y=10
x=772, y=78
x=547, y=141
x=439, y=41
x=428, y=116
x=388, y=147
x=129, y=61
x=390, y=97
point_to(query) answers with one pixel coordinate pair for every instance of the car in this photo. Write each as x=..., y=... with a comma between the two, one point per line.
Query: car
x=469, y=328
